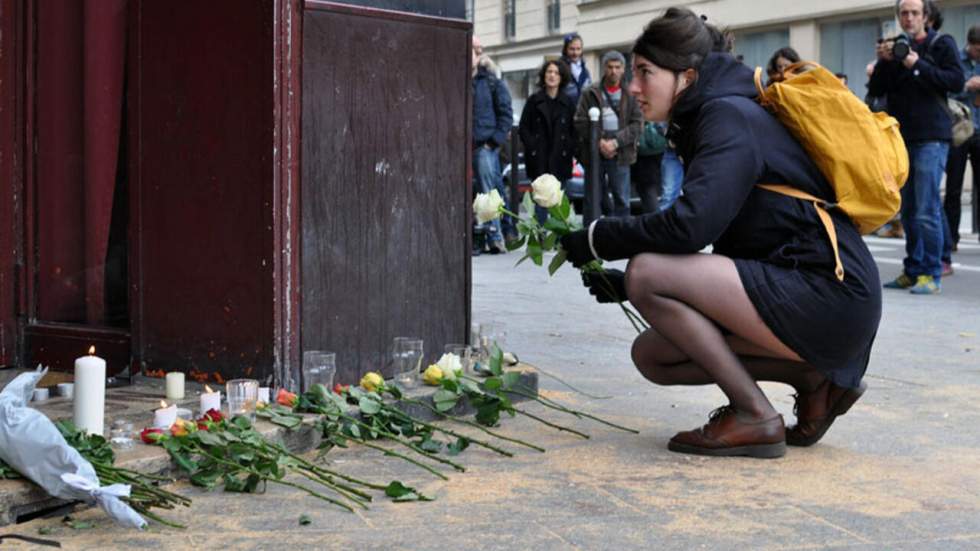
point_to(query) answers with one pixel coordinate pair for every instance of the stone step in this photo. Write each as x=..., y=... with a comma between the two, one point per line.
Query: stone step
x=22, y=498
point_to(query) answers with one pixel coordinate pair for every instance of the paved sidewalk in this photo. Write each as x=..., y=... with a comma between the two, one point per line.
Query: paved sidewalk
x=900, y=471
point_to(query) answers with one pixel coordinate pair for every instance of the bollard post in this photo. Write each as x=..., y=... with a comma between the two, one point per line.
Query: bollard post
x=515, y=174
x=593, y=188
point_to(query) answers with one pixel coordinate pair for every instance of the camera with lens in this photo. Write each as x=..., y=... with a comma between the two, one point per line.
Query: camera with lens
x=900, y=46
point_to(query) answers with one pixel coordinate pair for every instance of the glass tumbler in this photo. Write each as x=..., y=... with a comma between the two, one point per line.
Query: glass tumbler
x=464, y=354
x=319, y=367
x=406, y=359
x=243, y=396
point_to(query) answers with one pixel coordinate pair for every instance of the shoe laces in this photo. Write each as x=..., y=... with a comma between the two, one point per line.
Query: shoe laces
x=721, y=412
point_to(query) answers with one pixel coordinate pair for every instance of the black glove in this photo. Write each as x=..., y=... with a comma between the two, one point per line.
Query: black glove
x=606, y=286
x=576, y=245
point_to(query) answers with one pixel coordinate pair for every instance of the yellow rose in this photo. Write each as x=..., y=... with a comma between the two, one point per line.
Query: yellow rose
x=486, y=206
x=546, y=191
x=432, y=375
x=371, y=381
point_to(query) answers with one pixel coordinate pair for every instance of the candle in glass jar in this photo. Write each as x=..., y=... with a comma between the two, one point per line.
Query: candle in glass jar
x=210, y=400
x=166, y=416
x=175, y=386
x=89, y=398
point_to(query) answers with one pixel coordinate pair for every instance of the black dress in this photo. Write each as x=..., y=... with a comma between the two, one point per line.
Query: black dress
x=783, y=255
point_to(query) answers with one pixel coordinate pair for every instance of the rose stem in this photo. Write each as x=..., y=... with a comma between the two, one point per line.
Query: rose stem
x=400, y=455
x=475, y=425
x=406, y=443
x=558, y=407
x=448, y=431
x=250, y=470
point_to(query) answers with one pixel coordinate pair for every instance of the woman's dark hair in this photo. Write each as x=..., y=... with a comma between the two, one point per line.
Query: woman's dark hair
x=785, y=53
x=679, y=40
x=563, y=71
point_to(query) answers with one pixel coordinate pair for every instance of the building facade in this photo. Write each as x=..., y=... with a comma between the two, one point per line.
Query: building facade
x=839, y=34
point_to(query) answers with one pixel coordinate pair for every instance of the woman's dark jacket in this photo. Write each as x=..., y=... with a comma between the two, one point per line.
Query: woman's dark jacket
x=548, y=134
x=729, y=143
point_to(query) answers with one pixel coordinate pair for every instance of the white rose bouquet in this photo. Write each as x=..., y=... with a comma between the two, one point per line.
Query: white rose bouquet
x=539, y=238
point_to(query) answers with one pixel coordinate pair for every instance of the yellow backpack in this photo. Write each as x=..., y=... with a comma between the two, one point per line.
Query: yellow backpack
x=861, y=153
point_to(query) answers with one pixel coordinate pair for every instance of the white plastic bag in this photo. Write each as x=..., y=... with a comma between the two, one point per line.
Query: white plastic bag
x=33, y=446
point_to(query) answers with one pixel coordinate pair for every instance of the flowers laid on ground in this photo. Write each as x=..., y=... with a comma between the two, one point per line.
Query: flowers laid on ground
x=449, y=367
x=145, y=492
x=371, y=381
x=216, y=451
x=538, y=238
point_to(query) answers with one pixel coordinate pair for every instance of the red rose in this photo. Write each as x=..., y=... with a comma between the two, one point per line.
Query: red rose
x=340, y=389
x=214, y=416
x=202, y=424
x=151, y=435
x=286, y=398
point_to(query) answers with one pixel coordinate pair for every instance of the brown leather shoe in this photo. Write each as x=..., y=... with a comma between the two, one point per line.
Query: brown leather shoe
x=727, y=434
x=815, y=411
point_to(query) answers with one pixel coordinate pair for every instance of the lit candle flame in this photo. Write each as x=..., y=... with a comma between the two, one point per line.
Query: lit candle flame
x=163, y=404
x=91, y=350
x=208, y=389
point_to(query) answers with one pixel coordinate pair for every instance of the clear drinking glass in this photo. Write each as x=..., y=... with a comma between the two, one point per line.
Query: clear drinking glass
x=465, y=355
x=243, y=395
x=121, y=435
x=406, y=359
x=319, y=367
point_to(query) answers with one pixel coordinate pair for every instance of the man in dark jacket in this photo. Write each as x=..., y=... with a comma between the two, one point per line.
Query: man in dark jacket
x=571, y=54
x=956, y=163
x=916, y=87
x=622, y=123
x=492, y=119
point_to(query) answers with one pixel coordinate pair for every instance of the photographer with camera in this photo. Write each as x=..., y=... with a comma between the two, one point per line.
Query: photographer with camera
x=916, y=71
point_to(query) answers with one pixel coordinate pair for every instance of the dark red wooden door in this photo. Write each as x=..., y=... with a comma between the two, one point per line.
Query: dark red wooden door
x=205, y=106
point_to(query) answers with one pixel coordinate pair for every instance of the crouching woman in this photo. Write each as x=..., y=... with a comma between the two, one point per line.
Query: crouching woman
x=765, y=305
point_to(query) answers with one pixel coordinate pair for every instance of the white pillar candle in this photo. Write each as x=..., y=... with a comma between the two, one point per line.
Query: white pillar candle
x=175, y=386
x=210, y=400
x=263, y=394
x=165, y=417
x=89, y=399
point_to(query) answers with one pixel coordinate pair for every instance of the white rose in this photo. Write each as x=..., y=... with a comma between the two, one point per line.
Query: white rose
x=486, y=206
x=547, y=191
x=450, y=365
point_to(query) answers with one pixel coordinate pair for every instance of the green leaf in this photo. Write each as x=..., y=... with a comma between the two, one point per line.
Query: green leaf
x=458, y=446
x=488, y=414
x=290, y=422
x=496, y=360
x=565, y=208
x=557, y=261
x=451, y=385
x=511, y=379
x=242, y=422
x=515, y=244
x=492, y=384
x=556, y=226
x=395, y=392
x=75, y=524
x=208, y=439
x=400, y=492
x=522, y=259
x=46, y=530
x=368, y=406
x=206, y=478
x=549, y=241
x=184, y=462
x=304, y=520
x=445, y=400
x=528, y=204
x=430, y=445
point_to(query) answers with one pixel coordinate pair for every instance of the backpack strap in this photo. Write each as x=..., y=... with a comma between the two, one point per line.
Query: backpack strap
x=822, y=208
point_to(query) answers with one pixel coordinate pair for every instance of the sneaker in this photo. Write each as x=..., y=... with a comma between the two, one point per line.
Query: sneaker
x=901, y=282
x=947, y=269
x=926, y=285
x=497, y=247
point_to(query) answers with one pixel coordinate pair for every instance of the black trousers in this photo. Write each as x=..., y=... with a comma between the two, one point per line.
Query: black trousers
x=955, y=169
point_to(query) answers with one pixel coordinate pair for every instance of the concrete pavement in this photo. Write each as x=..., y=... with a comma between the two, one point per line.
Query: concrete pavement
x=900, y=471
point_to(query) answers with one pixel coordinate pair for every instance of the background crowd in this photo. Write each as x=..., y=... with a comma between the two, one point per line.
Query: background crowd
x=920, y=77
